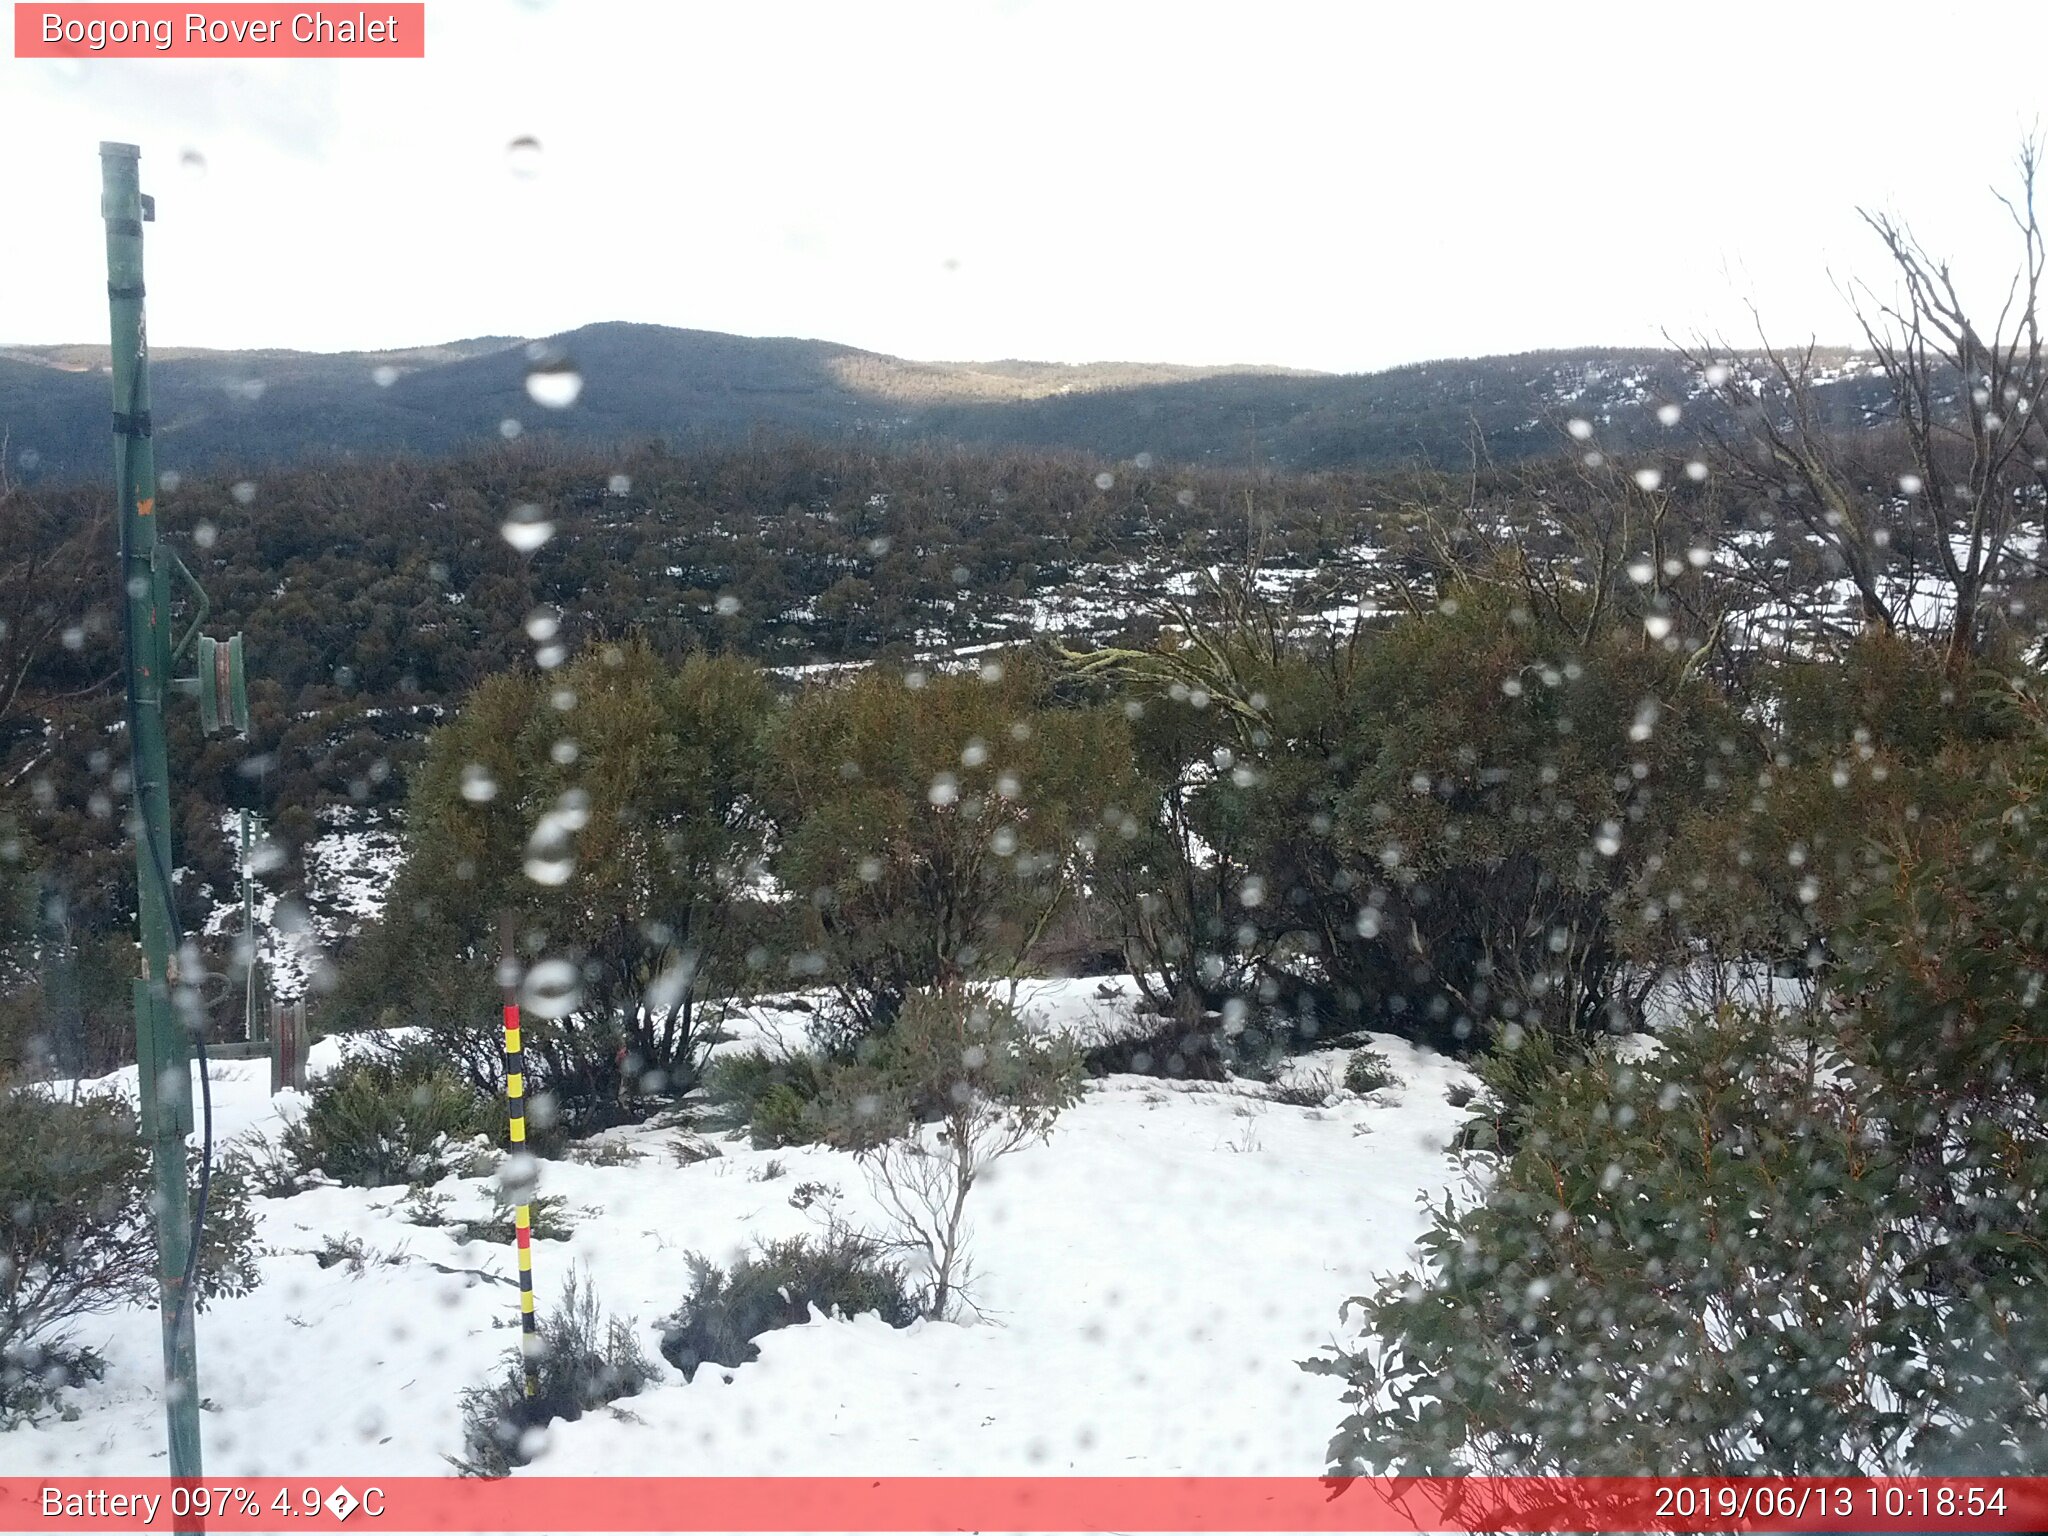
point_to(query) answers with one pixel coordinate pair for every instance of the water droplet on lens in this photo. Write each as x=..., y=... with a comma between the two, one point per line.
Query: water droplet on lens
x=522, y=157
x=477, y=784
x=1668, y=415
x=542, y=623
x=549, y=858
x=245, y=491
x=1657, y=625
x=527, y=528
x=555, y=386
x=384, y=375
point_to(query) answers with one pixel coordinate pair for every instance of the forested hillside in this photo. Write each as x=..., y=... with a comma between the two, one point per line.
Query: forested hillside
x=631, y=382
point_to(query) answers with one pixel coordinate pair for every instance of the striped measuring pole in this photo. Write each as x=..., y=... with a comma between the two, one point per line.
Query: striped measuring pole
x=522, y=1216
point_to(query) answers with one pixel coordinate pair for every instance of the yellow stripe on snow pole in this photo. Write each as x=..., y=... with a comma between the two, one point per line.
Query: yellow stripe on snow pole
x=522, y=1219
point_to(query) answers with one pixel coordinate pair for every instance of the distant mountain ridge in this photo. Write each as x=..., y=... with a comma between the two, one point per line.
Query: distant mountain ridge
x=228, y=409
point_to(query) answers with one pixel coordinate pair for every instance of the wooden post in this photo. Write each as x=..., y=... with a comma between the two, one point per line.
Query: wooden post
x=288, y=1046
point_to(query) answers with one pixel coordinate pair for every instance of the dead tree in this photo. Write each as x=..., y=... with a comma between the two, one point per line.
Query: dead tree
x=1969, y=450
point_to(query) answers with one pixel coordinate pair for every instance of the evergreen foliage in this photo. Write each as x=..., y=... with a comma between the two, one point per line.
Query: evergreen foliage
x=77, y=1236
x=779, y=1286
x=1776, y=1245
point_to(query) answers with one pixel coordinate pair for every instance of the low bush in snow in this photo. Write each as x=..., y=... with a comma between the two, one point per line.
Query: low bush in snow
x=77, y=1236
x=546, y=1214
x=954, y=1084
x=585, y=1360
x=1163, y=1048
x=770, y=1092
x=1311, y=1090
x=400, y=1117
x=777, y=1287
x=1368, y=1071
x=1521, y=1065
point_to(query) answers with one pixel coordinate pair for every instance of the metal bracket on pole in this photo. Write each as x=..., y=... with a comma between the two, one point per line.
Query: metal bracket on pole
x=204, y=603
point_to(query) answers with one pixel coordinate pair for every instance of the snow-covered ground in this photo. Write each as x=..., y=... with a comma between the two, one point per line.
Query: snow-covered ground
x=1148, y=1280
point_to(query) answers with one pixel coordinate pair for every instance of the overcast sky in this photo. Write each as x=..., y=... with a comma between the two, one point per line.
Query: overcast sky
x=1339, y=186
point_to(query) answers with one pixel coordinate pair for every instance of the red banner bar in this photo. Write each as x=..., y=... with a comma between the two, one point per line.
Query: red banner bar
x=375, y=30
x=1052, y=1504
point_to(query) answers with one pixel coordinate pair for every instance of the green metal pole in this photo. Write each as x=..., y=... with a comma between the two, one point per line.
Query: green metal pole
x=163, y=1053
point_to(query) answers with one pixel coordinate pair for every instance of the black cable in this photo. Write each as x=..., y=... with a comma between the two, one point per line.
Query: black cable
x=186, y=1289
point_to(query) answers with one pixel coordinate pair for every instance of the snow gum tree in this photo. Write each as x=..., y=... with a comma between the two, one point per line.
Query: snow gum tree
x=1776, y=1245
x=932, y=826
x=610, y=807
x=1430, y=825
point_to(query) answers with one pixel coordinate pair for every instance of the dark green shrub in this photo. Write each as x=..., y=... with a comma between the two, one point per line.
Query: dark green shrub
x=1519, y=1068
x=1368, y=1071
x=77, y=1236
x=585, y=1361
x=401, y=1117
x=650, y=831
x=1311, y=1091
x=770, y=1092
x=777, y=1288
x=354, y=1254
x=1433, y=830
x=1162, y=1048
x=783, y=1117
x=1715, y=1261
x=929, y=825
x=266, y=1166
x=547, y=1213
x=35, y=1377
